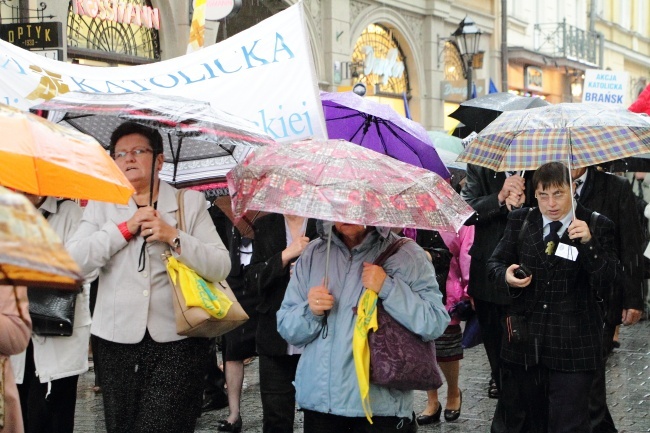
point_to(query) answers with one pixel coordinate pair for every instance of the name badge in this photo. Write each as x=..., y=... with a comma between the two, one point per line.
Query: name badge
x=567, y=252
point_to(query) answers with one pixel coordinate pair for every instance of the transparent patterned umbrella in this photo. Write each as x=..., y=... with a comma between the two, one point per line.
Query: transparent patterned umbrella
x=336, y=180
x=202, y=143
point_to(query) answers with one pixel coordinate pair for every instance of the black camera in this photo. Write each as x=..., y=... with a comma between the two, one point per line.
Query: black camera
x=522, y=272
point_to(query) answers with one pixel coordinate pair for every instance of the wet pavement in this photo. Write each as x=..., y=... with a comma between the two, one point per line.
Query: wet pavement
x=628, y=386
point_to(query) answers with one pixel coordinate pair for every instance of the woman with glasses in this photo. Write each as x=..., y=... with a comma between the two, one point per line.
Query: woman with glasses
x=152, y=378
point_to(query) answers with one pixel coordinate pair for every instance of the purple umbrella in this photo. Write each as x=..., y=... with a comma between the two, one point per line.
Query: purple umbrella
x=380, y=128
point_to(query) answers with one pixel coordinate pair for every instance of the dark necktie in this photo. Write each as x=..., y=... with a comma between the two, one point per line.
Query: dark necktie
x=576, y=195
x=639, y=193
x=552, y=238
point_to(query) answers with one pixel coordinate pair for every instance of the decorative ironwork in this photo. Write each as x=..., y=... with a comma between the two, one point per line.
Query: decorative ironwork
x=569, y=42
x=16, y=15
x=376, y=43
x=102, y=38
x=454, y=64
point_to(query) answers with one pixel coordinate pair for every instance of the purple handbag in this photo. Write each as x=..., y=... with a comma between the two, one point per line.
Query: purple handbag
x=399, y=358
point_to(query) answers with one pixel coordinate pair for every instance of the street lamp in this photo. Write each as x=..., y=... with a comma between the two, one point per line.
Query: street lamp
x=467, y=37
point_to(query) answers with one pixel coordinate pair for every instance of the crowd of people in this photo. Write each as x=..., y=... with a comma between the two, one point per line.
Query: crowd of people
x=550, y=263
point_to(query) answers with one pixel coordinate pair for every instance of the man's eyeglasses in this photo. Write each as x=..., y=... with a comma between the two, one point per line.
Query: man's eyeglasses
x=134, y=152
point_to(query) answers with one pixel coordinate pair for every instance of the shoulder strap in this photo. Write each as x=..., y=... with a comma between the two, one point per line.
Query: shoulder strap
x=592, y=222
x=392, y=249
x=524, y=226
x=180, y=213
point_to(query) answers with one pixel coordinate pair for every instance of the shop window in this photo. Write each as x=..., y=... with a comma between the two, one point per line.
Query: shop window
x=384, y=67
x=97, y=38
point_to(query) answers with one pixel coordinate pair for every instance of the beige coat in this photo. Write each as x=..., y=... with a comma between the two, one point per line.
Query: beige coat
x=15, y=330
x=130, y=302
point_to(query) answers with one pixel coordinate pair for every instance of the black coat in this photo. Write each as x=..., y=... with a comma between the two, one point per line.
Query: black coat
x=481, y=192
x=271, y=279
x=561, y=302
x=612, y=196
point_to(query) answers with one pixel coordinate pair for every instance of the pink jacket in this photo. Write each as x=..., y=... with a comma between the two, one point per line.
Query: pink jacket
x=15, y=331
x=458, y=278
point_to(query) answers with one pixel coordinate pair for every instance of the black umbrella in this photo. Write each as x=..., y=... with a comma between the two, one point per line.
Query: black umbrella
x=479, y=112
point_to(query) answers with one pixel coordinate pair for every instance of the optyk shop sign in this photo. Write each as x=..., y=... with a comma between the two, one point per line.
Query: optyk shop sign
x=264, y=74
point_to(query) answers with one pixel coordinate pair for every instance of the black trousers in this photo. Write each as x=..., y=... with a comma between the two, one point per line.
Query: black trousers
x=317, y=422
x=277, y=374
x=538, y=400
x=44, y=411
x=490, y=318
x=601, y=419
x=152, y=387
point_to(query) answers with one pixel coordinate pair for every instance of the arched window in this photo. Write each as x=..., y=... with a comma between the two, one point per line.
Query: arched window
x=382, y=59
x=108, y=40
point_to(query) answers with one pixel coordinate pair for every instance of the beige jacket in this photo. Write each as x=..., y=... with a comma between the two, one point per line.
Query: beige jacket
x=130, y=302
x=15, y=330
x=59, y=357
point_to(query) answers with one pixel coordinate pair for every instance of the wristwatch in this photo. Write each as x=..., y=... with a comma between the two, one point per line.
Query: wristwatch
x=176, y=242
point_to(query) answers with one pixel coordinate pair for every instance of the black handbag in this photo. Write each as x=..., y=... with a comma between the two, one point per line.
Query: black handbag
x=52, y=311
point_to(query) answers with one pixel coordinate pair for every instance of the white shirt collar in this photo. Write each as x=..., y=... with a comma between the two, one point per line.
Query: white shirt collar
x=565, y=220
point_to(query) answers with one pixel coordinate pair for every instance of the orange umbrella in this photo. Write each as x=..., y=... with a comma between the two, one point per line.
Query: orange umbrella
x=30, y=251
x=43, y=158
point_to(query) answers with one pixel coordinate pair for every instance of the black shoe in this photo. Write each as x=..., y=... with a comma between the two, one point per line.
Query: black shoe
x=452, y=415
x=430, y=419
x=493, y=391
x=214, y=402
x=234, y=427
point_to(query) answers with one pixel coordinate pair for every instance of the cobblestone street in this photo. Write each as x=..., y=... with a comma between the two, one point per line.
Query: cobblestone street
x=628, y=378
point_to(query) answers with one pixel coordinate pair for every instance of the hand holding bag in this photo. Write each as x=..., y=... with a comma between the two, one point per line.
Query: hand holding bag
x=399, y=358
x=207, y=314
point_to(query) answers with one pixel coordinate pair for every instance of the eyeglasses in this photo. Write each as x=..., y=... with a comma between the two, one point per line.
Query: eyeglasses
x=134, y=152
x=557, y=196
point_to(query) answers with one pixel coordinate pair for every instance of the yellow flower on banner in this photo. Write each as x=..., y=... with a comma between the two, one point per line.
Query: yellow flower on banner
x=366, y=322
x=197, y=291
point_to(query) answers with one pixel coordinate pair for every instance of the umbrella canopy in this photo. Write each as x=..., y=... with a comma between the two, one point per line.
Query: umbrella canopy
x=380, y=128
x=30, y=252
x=443, y=141
x=42, y=158
x=203, y=142
x=336, y=180
x=581, y=134
x=479, y=112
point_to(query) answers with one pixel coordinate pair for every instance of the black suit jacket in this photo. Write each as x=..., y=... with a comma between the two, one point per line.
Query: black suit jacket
x=481, y=192
x=612, y=196
x=561, y=303
x=271, y=279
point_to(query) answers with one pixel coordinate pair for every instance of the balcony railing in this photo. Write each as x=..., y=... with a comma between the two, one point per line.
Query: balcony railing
x=567, y=41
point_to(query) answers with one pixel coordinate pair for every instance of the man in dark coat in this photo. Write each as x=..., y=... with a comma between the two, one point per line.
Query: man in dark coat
x=612, y=196
x=548, y=372
x=492, y=195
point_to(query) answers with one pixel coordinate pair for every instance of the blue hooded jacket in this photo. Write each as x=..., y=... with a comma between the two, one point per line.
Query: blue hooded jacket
x=326, y=379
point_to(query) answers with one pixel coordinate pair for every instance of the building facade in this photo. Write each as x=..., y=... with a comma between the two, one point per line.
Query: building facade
x=402, y=51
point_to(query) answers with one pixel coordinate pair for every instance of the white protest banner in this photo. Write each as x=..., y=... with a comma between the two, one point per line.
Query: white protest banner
x=605, y=86
x=264, y=74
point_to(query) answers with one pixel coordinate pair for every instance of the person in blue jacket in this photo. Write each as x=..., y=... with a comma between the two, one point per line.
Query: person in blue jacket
x=321, y=319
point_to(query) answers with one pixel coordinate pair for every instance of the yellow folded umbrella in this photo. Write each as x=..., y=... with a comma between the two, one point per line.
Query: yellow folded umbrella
x=366, y=322
x=30, y=251
x=43, y=158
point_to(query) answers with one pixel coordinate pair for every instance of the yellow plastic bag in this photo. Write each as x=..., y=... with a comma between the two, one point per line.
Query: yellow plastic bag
x=197, y=291
x=366, y=322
